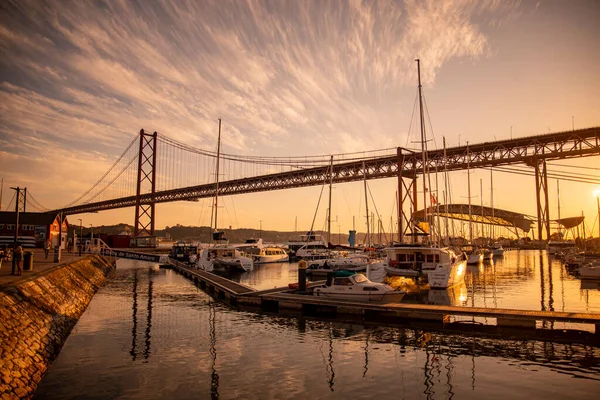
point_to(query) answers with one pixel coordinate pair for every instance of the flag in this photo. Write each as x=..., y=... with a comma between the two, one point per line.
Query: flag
x=432, y=199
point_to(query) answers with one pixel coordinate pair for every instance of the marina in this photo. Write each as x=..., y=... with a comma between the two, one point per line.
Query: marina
x=164, y=336
x=283, y=299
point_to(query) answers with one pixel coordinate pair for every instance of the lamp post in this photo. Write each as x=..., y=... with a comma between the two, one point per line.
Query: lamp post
x=80, y=234
x=91, y=237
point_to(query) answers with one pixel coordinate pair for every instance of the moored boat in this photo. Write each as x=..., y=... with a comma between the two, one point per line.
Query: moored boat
x=270, y=254
x=441, y=265
x=358, y=287
x=590, y=270
x=184, y=252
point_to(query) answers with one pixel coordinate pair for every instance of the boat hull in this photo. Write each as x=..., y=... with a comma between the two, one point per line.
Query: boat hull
x=389, y=297
x=444, y=277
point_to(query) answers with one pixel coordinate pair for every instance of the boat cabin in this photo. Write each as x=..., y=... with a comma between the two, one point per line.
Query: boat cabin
x=182, y=251
x=417, y=257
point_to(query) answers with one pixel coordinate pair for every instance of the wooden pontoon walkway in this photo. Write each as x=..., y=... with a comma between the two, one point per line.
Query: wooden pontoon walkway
x=281, y=299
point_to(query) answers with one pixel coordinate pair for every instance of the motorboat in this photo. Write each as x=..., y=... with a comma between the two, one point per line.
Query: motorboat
x=590, y=270
x=184, y=252
x=498, y=250
x=557, y=246
x=348, y=262
x=313, y=251
x=312, y=242
x=357, y=287
x=225, y=256
x=488, y=254
x=473, y=256
x=441, y=265
x=270, y=254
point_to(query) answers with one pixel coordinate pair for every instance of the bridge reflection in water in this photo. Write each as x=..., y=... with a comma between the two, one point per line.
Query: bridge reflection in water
x=203, y=348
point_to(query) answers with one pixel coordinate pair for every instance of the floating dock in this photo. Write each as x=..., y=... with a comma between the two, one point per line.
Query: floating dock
x=284, y=300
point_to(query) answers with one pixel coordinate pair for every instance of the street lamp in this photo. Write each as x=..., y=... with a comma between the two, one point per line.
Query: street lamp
x=91, y=235
x=80, y=234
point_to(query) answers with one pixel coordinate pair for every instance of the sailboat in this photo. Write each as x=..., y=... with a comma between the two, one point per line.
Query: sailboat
x=221, y=254
x=497, y=249
x=441, y=265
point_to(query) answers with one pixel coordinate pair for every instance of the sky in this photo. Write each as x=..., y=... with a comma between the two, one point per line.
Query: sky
x=79, y=79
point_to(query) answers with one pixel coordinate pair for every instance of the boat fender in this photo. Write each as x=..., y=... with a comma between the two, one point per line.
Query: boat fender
x=453, y=260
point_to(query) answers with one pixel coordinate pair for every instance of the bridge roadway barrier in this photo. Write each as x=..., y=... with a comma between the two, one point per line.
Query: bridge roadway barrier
x=283, y=300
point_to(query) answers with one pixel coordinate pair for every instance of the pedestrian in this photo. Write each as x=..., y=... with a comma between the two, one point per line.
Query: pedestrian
x=18, y=255
x=47, y=247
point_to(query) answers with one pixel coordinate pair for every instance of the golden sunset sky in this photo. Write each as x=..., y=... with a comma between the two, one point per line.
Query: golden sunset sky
x=79, y=79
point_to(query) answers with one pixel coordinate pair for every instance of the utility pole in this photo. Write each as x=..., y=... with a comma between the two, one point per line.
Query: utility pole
x=80, y=235
x=14, y=263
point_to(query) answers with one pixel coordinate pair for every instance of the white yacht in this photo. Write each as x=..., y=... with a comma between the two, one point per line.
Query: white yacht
x=348, y=262
x=441, y=265
x=358, y=287
x=270, y=254
x=313, y=251
x=225, y=256
x=311, y=240
x=473, y=256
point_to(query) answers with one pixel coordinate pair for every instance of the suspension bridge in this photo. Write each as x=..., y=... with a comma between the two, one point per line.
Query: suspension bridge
x=157, y=169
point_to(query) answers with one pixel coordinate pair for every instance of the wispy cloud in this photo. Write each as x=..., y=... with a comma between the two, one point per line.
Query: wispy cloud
x=303, y=77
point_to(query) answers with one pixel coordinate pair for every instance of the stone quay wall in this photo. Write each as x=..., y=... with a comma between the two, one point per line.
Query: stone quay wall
x=36, y=317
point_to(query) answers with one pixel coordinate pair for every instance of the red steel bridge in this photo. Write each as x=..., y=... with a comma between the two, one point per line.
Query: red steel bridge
x=157, y=169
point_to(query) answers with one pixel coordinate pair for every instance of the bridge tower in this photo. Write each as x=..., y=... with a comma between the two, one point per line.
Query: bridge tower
x=541, y=196
x=146, y=182
x=406, y=192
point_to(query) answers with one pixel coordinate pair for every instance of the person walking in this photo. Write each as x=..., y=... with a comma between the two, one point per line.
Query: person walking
x=18, y=255
x=47, y=247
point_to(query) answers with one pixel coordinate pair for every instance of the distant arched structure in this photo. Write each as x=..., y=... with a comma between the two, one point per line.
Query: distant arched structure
x=568, y=224
x=479, y=214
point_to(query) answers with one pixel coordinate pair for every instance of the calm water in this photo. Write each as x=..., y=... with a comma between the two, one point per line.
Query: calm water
x=152, y=334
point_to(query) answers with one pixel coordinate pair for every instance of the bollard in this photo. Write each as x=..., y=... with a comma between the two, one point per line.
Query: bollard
x=57, y=254
x=302, y=276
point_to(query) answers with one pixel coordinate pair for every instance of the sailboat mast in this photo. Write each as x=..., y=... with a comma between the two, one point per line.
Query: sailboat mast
x=492, y=203
x=558, y=200
x=469, y=194
x=481, y=196
x=366, y=205
x=329, y=209
x=446, y=193
x=217, y=179
x=423, y=141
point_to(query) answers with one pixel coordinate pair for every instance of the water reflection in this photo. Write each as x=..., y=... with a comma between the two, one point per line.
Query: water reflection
x=214, y=376
x=134, y=305
x=265, y=356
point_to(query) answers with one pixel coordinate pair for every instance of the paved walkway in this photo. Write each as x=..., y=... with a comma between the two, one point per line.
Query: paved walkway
x=40, y=264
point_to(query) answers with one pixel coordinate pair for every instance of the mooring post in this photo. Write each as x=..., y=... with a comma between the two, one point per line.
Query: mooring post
x=302, y=276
